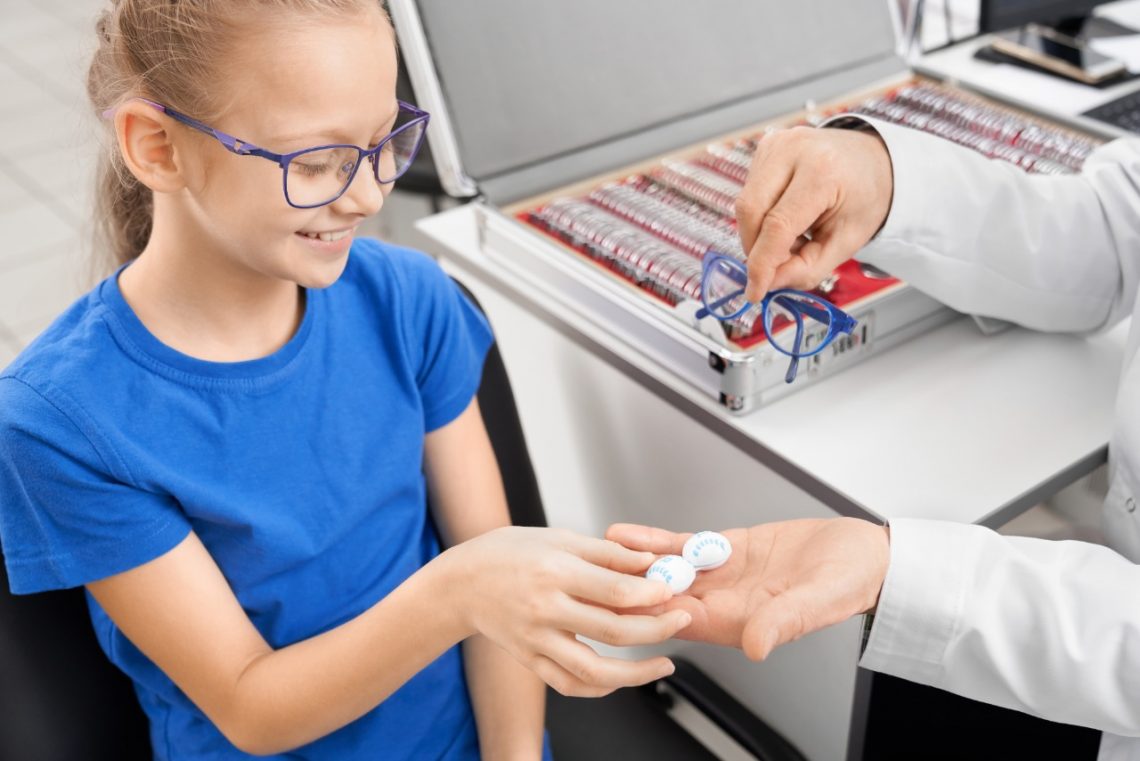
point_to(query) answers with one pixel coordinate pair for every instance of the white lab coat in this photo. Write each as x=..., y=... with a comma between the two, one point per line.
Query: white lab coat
x=1049, y=628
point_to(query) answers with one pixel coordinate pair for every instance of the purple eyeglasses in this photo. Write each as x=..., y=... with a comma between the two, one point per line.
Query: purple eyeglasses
x=318, y=176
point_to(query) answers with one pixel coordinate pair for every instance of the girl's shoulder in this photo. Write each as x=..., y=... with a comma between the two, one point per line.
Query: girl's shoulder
x=394, y=280
x=72, y=347
x=378, y=263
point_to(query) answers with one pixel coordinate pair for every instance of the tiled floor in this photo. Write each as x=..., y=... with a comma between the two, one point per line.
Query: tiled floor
x=49, y=145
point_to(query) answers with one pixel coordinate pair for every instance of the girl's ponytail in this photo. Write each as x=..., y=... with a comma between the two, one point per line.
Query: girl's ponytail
x=123, y=205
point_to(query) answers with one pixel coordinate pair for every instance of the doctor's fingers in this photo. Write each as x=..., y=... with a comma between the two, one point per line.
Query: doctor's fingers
x=647, y=538
x=801, y=206
x=816, y=259
x=772, y=167
x=574, y=669
x=790, y=615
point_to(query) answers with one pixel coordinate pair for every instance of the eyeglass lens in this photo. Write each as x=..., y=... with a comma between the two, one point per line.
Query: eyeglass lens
x=724, y=289
x=794, y=322
x=320, y=175
x=797, y=323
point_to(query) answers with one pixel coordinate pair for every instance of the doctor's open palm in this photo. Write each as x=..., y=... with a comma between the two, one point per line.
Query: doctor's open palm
x=783, y=580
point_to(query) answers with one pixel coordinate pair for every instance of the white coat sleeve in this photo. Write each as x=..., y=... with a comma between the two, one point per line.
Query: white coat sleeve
x=1057, y=253
x=1046, y=627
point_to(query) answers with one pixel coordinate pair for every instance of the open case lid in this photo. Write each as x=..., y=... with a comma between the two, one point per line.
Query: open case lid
x=527, y=96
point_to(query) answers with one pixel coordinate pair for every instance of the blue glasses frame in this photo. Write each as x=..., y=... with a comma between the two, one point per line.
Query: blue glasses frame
x=241, y=147
x=838, y=321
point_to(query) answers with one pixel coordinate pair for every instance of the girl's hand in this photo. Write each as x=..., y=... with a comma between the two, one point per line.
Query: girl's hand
x=783, y=580
x=531, y=590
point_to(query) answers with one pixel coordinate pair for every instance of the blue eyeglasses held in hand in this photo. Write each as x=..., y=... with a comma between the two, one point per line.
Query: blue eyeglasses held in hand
x=792, y=319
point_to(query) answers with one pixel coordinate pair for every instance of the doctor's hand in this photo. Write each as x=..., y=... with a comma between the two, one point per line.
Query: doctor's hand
x=783, y=580
x=813, y=198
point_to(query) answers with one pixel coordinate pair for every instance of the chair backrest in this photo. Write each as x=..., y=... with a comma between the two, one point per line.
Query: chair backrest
x=501, y=416
x=60, y=698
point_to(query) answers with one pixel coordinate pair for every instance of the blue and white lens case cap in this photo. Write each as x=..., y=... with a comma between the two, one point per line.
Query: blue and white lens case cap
x=675, y=571
x=707, y=550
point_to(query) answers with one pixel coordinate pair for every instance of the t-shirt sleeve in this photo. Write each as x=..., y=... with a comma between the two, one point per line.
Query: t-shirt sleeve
x=67, y=516
x=449, y=339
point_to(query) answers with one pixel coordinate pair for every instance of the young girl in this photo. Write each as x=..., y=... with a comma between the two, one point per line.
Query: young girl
x=227, y=441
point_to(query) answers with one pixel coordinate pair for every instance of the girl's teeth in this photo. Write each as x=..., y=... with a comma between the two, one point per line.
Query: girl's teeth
x=327, y=237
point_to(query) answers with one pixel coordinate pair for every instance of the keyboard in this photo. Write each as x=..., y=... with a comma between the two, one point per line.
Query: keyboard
x=1124, y=112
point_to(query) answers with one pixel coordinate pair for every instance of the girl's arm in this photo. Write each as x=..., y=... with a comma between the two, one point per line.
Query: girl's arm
x=468, y=500
x=522, y=588
x=180, y=611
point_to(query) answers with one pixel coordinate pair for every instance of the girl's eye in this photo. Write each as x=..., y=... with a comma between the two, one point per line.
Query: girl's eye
x=311, y=170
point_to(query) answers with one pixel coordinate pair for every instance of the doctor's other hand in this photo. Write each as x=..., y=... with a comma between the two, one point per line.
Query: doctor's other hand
x=814, y=196
x=531, y=590
x=782, y=581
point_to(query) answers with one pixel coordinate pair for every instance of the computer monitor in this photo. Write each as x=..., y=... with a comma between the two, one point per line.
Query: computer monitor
x=1071, y=17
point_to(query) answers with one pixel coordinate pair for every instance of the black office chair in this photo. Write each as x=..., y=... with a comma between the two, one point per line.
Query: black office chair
x=62, y=700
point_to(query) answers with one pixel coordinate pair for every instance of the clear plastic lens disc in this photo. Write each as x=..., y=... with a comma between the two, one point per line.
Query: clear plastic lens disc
x=796, y=323
x=724, y=288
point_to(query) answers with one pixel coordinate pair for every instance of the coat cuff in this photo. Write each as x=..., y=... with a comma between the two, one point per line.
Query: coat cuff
x=920, y=605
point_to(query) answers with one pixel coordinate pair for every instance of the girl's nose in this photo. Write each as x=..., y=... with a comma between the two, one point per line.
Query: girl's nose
x=364, y=194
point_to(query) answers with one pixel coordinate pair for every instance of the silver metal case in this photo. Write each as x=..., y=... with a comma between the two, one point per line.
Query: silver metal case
x=475, y=148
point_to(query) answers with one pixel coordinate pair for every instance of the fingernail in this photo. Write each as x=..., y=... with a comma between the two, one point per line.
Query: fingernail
x=667, y=670
x=685, y=619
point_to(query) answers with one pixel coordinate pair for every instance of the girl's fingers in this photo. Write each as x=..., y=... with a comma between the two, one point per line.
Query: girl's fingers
x=612, y=589
x=611, y=555
x=562, y=681
x=596, y=671
x=623, y=630
x=647, y=538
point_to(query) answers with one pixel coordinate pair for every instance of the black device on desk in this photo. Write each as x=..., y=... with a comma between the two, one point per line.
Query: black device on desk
x=1057, y=53
x=1072, y=18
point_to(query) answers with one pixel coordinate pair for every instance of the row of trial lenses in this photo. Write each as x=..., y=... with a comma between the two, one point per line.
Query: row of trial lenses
x=732, y=161
x=1064, y=147
x=650, y=262
x=675, y=225
x=629, y=201
x=695, y=209
x=714, y=190
x=900, y=114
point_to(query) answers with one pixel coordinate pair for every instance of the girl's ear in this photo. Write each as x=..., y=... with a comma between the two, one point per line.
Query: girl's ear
x=147, y=147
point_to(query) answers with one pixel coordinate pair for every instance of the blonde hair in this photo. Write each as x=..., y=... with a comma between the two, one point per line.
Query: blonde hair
x=170, y=51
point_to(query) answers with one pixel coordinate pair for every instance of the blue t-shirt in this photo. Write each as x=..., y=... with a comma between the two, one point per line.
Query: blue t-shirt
x=300, y=472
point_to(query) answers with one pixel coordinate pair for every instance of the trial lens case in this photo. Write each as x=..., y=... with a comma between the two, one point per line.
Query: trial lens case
x=536, y=102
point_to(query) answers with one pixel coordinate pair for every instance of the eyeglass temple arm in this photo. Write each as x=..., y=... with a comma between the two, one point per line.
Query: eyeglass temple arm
x=843, y=322
x=231, y=143
x=794, y=365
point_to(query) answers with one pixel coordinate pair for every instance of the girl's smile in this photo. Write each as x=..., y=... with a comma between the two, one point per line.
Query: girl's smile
x=328, y=242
